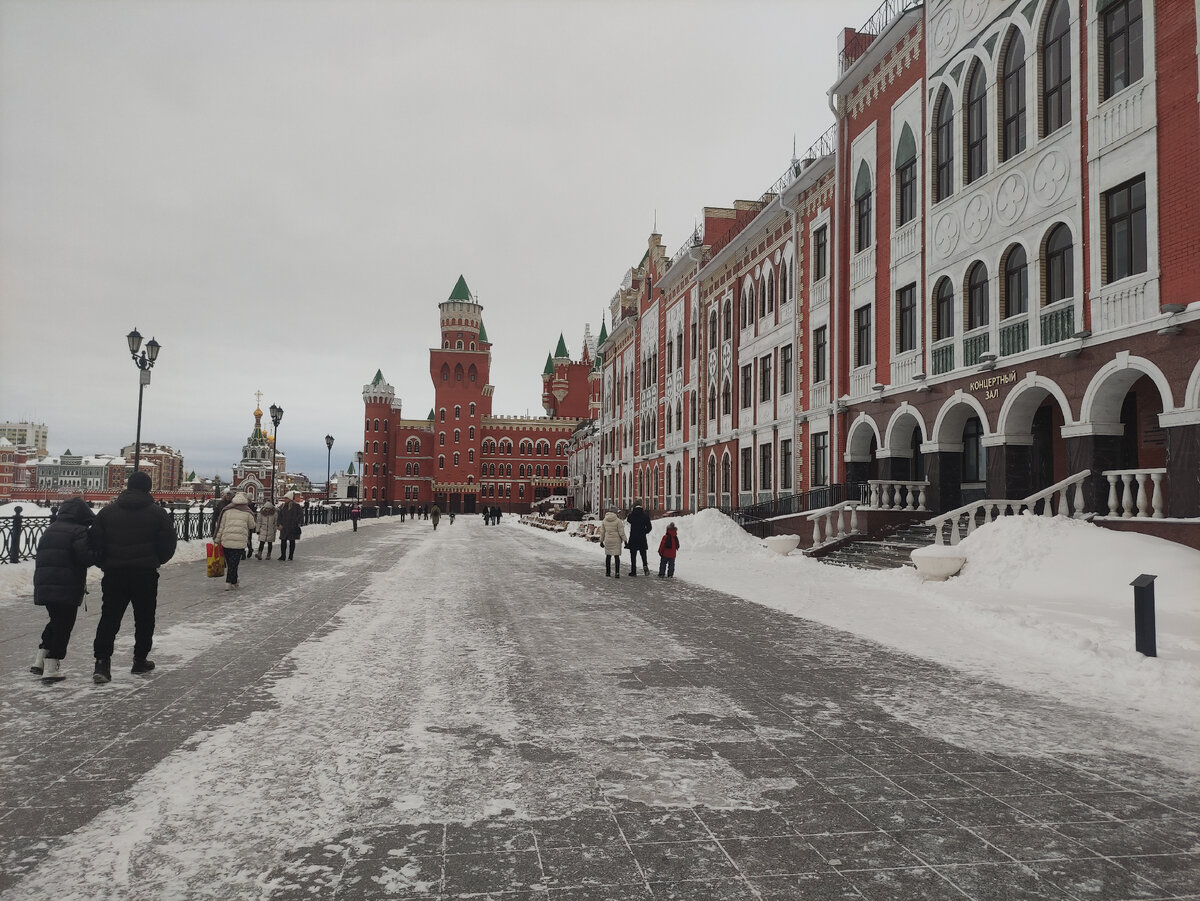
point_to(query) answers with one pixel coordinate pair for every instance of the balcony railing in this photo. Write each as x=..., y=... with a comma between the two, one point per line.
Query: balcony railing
x=889, y=494
x=862, y=266
x=820, y=395
x=1014, y=337
x=974, y=346
x=1064, y=498
x=1125, y=303
x=820, y=292
x=861, y=380
x=906, y=242
x=1058, y=324
x=905, y=367
x=943, y=358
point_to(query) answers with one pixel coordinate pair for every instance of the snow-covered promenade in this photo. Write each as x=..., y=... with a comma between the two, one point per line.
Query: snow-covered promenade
x=479, y=712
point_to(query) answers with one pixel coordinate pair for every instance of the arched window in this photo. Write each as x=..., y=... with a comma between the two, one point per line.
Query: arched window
x=471, y=455
x=408, y=469
x=1056, y=69
x=441, y=462
x=976, y=123
x=974, y=463
x=457, y=412
x=446, y=370
x=977, y=296
x=943, y=310
x=1058, y=281
x=457, y=435
x=416, y=469
x=712, y=474
x=473, y=372
x=726, y=398
x=1015, y=289
x=747, y=303
x=712, y=328
x=458, y=373
x=1012, y=93
x=375, y=447
x=385, y=448
x=906, y=177
x=784, y=286
x=726, y=475
x=712, y=402
x=377, y=425
x=471, y=433
x=728, y=317
x=441, y=439
x=764, y=303
x=862, y=208
x=456, y=458
x=442, y=414
x=679, y=416
x=943, y=147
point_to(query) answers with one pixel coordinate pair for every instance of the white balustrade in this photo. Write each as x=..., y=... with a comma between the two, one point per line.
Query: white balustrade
x=905, y=367
x=861, y=380
x=862, y=266
x=896, y=495
x=1063, y=498
x=1125, y=303
x=820, y=292
x=1121, y=116
x=820, y=395
x=906, y=241
x=832, y=523
x=1146, y=502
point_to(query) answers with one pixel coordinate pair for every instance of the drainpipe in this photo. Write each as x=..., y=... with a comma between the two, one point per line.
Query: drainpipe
x=834, y=306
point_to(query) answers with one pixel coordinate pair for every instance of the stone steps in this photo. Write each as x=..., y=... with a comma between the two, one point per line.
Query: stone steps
x=888, y=552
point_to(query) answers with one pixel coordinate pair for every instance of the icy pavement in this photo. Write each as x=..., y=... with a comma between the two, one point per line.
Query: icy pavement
x=400, y=713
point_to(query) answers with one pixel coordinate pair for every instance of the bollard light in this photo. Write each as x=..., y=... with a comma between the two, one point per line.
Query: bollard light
x=1143, y=615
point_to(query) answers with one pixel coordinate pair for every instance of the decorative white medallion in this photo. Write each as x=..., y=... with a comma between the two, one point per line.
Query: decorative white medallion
x=945, y=31
x=973, y=11
x=977, y=216
x=945, y=234
x=1011, y=197
x=1050, y=177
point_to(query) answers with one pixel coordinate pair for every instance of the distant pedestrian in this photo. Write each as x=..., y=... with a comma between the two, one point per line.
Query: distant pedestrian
x=64, y=554
x=133, y=537
x=403, y=510
x=290, y=516
x=451, y=517
x=667, y=548
x=412, y=511
x=266, y=523
x=435, y=514
x=356, y=512
x=612, y=539
x=639, y=527
x=233, y=534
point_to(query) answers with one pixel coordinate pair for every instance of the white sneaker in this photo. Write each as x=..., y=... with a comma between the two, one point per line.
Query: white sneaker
x=52, y=671
x=39, y=662
x=228, y=586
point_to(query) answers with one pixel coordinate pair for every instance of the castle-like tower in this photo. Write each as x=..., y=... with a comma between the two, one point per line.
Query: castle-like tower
x=462, y=456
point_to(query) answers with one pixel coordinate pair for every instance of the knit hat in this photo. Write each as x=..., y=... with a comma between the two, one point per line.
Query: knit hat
x=240, y=498
x=139, y=481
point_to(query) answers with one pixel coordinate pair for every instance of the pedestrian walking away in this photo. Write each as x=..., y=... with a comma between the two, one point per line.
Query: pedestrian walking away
x=667, y=548
x=266, y=524
x=612, y=539
x=133, y=537
x=451, y=514
x=435, y=514
x=356, y=512
x=233, y=534
x=290, y=516
x=225, y=501
x=64, y=554
x=639, y=527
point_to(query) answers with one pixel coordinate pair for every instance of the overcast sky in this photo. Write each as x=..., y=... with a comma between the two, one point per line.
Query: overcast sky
x=283, y=192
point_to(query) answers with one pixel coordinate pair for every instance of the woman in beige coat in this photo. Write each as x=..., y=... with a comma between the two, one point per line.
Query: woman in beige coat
x=266, y=523
x=233, y=534
x=612, y=539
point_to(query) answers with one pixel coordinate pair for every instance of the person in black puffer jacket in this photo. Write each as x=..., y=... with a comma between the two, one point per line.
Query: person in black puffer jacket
x=134, y=537
x=64, y=554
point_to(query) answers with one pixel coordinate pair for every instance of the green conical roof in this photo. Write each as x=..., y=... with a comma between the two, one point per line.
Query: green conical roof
x=482, y=331
x=430, y=416
x=350, y=471
x=549, y=370
x=603, y=334
x=378, y=377
x=461, y=291
x=560, y=352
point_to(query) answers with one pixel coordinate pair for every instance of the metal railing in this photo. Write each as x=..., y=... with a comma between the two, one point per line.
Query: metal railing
x=874, y=26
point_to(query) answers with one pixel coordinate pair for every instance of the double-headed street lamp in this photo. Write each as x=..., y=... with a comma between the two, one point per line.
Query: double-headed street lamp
x=144, y=362
x=276, y=418
x=328, y=456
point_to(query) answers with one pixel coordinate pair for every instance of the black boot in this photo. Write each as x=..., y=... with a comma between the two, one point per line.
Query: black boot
x=142, y=666
x=102, y=673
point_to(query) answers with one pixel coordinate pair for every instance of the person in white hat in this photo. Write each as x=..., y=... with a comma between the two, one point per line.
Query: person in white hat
x=289, y=516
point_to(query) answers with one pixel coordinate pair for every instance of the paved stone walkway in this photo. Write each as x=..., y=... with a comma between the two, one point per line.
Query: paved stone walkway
x=790, y=760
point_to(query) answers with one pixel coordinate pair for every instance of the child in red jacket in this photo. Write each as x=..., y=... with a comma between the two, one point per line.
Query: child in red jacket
x=667, y=549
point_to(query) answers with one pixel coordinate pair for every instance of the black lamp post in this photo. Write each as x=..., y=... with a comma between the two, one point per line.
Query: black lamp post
x=276, y=418
x=144, y=362
x=328, y=455
x=362, y=495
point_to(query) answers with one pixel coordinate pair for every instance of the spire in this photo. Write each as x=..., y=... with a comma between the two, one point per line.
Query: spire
x=560, y=352
x=461, y=291
x=603, y=334
x=378, y=377
x=549, y=370
x=430, y=416
x=482, y=331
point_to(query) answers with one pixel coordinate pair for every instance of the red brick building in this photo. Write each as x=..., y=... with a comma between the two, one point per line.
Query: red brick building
x=462, y=456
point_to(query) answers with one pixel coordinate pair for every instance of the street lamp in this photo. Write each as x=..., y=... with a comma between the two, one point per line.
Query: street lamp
x=328, y=455
x=276, y=417
x=361, y=489
x=144, y=362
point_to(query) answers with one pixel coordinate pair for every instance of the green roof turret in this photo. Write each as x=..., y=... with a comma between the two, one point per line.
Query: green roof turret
x=560, y=352
x=549, y=370
x=482, y=331
x=461, y=291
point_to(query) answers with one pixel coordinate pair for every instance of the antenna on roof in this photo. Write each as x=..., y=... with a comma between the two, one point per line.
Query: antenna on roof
x=656, y=220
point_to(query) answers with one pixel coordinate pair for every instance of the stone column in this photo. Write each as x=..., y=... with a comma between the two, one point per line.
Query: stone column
x=944, y=471
x=1097, y=453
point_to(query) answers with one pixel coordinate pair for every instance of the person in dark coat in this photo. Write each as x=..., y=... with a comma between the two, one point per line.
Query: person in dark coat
x=639, y=527
x=290, y=516
x=134, y=537
x=64, y=554
x=436, y=516
x=225, y=501
x=356, y=512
